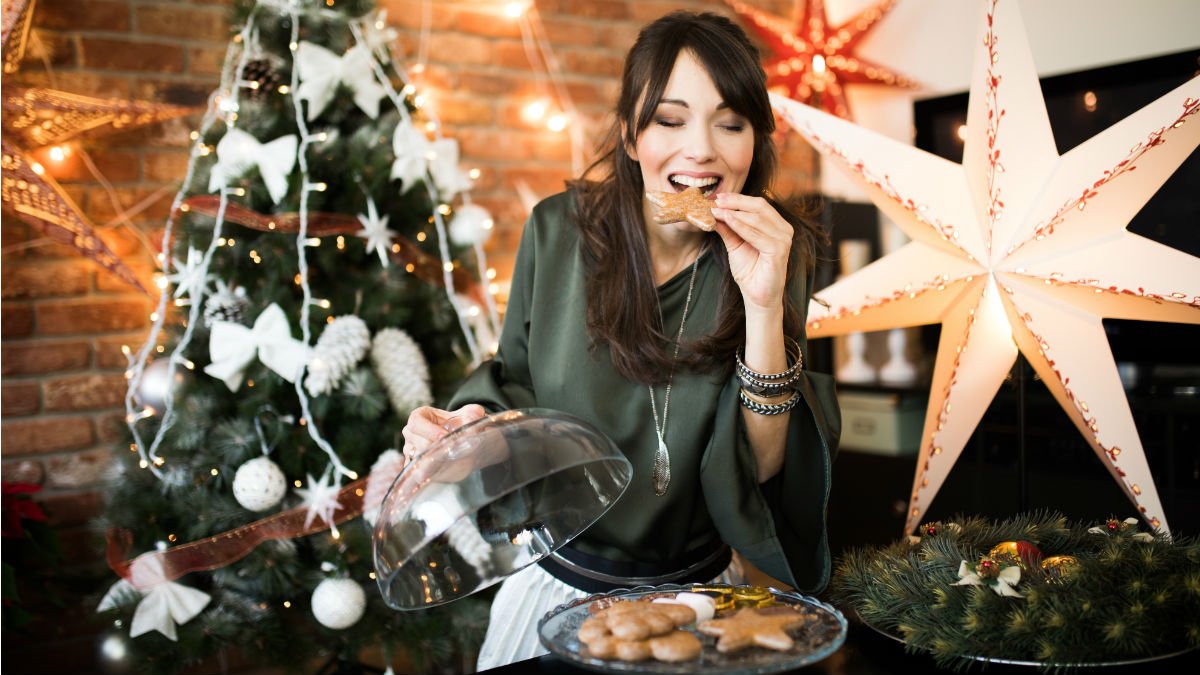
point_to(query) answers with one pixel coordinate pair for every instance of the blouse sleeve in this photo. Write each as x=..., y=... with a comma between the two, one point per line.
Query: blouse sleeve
x=779, y=525
x=504, y=382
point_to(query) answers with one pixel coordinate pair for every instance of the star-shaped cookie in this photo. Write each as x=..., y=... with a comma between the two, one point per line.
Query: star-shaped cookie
x=754, y=627
x=689, y=205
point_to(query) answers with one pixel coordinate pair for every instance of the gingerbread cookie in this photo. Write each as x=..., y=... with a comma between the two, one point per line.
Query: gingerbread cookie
x=754, y=627
x=689, y=205
x=675, y=646
x=627, y=631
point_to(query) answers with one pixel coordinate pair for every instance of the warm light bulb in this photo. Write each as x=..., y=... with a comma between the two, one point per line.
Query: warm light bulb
x=37, y=168
x=535, y=111
x=514, y=10
x=59, y=152
x=962, y=132
x=818, y=64
x=557, y=122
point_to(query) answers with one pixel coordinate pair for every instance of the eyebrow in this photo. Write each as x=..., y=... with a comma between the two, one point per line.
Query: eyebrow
x=682, y=103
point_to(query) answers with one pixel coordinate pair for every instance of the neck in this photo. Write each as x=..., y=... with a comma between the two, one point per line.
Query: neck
x=672, y=250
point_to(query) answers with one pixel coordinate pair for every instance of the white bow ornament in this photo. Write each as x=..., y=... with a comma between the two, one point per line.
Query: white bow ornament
x=233, y=346
x=412, y=149
x=449, y=178
x=238, y=151
x=321, y=71
x=164, y=604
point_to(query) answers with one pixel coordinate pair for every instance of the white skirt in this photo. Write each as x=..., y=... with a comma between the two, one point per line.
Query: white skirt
x=522, y=601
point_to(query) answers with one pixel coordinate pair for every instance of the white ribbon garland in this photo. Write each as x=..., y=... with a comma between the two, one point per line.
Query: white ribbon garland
x=233, y=347
x=321, y=71
x=238, y=151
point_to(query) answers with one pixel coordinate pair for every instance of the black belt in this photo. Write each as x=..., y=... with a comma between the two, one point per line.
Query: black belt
x=594, y=574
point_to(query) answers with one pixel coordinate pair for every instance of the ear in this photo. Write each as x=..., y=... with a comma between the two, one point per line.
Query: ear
x=630, y=149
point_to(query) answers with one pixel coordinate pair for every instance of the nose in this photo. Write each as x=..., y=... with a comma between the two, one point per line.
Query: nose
x=699, y=146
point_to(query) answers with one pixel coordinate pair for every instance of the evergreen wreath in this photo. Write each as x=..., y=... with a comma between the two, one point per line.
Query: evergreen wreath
x=1128, y=596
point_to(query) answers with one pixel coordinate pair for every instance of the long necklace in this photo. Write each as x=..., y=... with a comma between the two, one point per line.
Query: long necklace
x=662, y=457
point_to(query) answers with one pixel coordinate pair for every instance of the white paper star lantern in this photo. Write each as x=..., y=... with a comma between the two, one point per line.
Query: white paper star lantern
x=1017, y=249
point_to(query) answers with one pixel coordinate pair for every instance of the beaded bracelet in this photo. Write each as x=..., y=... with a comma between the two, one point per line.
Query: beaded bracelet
x=775, y=384
x=795, y=358
x=768, y=408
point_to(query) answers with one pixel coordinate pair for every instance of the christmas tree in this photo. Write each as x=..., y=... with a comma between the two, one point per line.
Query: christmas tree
x=319, y=282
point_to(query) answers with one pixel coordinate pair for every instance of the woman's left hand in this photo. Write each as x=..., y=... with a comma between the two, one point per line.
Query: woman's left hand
x=759, y=242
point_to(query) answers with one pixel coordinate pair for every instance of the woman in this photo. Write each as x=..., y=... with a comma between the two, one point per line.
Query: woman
x=682, y=345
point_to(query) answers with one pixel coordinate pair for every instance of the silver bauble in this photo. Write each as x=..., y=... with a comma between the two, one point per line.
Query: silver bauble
x=156, y=386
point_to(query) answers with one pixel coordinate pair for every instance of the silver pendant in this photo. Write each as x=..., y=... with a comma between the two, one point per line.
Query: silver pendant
x=662, y=468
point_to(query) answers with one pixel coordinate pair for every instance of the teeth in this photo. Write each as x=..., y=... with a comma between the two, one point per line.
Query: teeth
x=695, y=182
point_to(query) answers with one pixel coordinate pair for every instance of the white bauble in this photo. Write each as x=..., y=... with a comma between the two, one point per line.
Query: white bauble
x=338, y=603
x=259, y=484
x=471, y=225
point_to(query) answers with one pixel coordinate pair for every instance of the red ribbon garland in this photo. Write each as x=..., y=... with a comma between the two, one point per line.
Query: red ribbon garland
x=227, y=548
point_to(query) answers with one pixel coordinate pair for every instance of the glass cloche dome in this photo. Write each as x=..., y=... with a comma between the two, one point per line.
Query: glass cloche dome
x=489, y=499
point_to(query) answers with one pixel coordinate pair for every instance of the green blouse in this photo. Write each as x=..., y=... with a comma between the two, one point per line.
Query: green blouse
x=544, y=361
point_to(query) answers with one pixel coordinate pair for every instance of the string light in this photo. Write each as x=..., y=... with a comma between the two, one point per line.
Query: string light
x=515, y=10
x=557, y=122
x=534, y=112
x=59, y=152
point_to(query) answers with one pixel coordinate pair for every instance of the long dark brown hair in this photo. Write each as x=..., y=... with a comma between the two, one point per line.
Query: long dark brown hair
x=622, y=310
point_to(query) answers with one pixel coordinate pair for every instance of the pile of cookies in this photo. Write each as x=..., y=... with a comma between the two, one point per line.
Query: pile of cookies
x=652, y=626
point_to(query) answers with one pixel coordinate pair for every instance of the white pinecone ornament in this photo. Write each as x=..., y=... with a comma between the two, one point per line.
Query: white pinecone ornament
x=338, y=603
x=259, y=484
x=341, y=346
x=226, y=304
x=401, y=367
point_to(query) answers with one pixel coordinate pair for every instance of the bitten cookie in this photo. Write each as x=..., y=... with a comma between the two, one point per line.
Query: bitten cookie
x=754, y=627
x=689, y=205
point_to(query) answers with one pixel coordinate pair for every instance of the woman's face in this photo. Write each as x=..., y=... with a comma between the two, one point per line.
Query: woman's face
x=694, y=138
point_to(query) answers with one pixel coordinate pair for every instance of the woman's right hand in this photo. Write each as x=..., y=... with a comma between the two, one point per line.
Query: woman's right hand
x=426, y=425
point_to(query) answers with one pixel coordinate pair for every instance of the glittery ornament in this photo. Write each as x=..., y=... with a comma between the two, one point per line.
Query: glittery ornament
x=259, y=484
x=1020, y=553
x=341, y=346
x=401, y=367
x=1060, y=567
x=338, y=603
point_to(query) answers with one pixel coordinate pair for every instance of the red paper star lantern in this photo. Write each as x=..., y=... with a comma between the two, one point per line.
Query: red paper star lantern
x=811, y=61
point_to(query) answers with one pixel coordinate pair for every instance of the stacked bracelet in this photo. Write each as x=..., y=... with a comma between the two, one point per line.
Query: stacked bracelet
x=760, y=408
x=770, y=385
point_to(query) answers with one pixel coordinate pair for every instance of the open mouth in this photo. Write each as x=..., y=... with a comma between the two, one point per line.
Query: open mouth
x=707, y=185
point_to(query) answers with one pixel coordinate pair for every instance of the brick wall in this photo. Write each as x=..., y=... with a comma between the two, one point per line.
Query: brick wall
x=64, y=319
